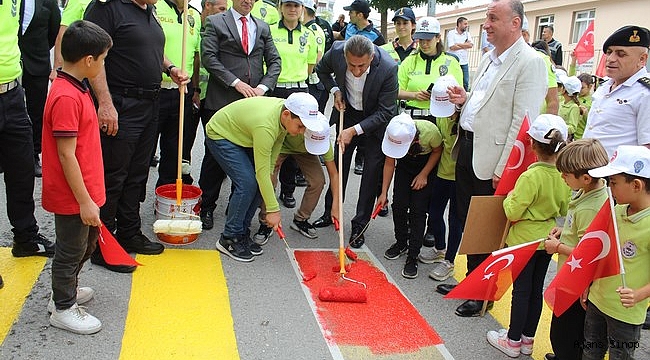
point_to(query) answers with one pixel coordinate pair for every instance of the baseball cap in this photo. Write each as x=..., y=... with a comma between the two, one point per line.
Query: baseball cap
x=317, y=142
x=440, y=105
x=541, y=128
x=559, y=74
x=293, y=1
x=404, y=13
x=426, y=28
x=627, y=159
x=399, y=134
x=305, y=107
x=358, y=5
x=310, y=4
x=571, y=84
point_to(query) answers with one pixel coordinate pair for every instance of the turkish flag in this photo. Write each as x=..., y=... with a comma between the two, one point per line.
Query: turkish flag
x=112, y=251
x=521, y=156
x=585, y=48
x=494, y=276
x=600, y=70
x=595, y=256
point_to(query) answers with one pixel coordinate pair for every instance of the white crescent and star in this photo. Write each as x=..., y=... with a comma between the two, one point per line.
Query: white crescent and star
x=509, y=258
x=520, y=146
x=604, y=239
x=589, y=40
x=574, y=263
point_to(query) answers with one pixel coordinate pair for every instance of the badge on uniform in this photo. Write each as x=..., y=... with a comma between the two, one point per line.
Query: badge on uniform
x=263, y=12
x=443, y=70
x=303, y=42
x=190, y=20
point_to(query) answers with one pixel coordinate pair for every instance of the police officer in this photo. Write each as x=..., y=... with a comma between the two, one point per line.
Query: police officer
x=128, y=97
x=403, y=45
x=316, y=88
x=620, y=111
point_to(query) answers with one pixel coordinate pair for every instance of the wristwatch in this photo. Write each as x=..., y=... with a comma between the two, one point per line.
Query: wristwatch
x=169, y=70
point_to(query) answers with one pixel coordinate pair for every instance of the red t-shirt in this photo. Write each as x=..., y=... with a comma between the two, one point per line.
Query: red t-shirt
x=70, y=111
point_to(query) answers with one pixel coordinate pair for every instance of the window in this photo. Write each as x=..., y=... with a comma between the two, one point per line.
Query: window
x=581, y=21
x=542, y=22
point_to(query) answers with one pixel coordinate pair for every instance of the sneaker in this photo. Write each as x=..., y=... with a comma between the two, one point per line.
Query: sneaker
x=254, y=247
x=430, y=255
x=394, y=251
x=305, y=228
x=140, y=244
x=383, y=212
x=84, y=295
x=410, y=270
x=98, y=259
x=442, y=271
x=235, y=249
x=262, y=235
x=499, y=339
x=207, y=219
x=76, y=320
x=527, y=344
x=38, y=246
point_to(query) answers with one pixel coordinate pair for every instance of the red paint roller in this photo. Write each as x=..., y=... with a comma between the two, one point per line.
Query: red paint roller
x=351, y=294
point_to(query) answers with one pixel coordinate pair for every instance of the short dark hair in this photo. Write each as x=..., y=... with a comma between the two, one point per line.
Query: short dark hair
x=542, y=46
x=550, y=27
x=359, y=45
x=460, y=20
x=83, y=38
x=557, y=143
x=629, y=178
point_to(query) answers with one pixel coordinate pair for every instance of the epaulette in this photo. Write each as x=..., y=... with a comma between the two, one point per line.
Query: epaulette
x=645, y=81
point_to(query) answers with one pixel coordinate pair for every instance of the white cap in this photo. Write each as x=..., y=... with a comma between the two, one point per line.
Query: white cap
x=540, y=128
x=440, y=105
x=628, y=159
x=398, y=137
x=426, y=28
x=311, y=4
x=571, y=84
x=524, y=23
x=317, y=142
x=306, y=107
x=559, y=73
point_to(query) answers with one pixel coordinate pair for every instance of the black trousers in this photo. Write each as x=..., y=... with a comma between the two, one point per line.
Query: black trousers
x=35, y=96
x=17, y=160
x=126, y=164
x=190, y=127
x=372, y=172
x=212, y=175
x=168, y=132
x=568, y=333
x=320, y=93
x=468, y=185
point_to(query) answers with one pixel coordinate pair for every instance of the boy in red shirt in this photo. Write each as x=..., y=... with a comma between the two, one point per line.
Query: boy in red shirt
x=73, y=173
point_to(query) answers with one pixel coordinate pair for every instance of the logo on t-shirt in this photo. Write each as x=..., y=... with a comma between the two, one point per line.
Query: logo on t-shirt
x=629, y=249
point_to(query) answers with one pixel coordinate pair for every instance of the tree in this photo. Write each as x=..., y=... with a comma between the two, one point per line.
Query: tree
x=384, y=5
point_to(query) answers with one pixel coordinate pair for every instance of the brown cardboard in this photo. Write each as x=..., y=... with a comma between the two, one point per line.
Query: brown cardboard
x=486, y=226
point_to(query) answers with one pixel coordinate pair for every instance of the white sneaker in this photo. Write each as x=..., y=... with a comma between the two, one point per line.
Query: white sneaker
x=527, y=344
x=442, y=270
x=84, y=295
x=499, y=339
x=430, y=255
x=76, y=320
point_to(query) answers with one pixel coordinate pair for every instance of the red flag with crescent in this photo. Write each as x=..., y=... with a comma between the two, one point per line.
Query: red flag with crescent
x=521, y=156
x=595, y=256
x=585, y=48
x=494, y=276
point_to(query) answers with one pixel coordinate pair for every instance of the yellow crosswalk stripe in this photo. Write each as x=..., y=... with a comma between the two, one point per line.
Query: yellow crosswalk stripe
x=179, y=308
x=19, y=276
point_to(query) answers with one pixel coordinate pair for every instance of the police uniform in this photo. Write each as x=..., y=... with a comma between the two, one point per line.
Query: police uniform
x=369, y=31
x=73, y=11
x=397, y=52
x=171, y=20
x=263, y=9
x=622, y=116
x=316, y=88
x=133, y=74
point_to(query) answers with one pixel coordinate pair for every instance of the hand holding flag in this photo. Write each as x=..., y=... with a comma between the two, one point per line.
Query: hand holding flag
x=112, y=251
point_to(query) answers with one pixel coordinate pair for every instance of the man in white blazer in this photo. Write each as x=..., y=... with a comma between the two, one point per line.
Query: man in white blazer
x=510, y=81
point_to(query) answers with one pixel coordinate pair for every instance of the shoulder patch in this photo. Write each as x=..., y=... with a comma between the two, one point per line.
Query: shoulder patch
x=645, y=81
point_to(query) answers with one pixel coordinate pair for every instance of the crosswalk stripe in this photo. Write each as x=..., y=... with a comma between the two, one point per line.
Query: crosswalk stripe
x=179, y=308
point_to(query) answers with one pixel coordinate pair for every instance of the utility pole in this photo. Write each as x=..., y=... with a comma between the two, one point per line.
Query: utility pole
x=431, y=8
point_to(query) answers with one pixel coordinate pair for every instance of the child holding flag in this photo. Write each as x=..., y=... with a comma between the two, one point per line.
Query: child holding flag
x=538, y=198
x=574, y=161
x=616, y=313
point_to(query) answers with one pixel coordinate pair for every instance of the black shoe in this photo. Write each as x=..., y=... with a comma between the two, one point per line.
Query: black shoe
x=140, y=244
x=97, y=259
x=445, y=289
x=38, y=246
x=236, y=249
x=429, y=240
x=263, y=234
x=154, y=161
x=357, y=239
x=383, y=212
x=305, y=228
x=207, y=219
x=358, y=169
x=410, y=270
x=472, y=308
x=550, y=356
x=2, y=283
x=253, y=247
x=300, y=180
x=288, y=200
x=323, y=221
x=38, y=170
x=395, y=251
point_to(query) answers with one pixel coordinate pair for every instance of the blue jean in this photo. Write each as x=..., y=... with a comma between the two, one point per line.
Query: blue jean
x=603, y=332
x=465, y=69
x=442, y=192
x=237, y=163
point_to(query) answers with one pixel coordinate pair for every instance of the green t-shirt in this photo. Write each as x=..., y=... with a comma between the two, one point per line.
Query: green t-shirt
x=413, y=75
x=570, y=112
x=10, y=68
x=74, y=10
x=320, y=44
x=297, y=49
x=634, y=239
x=582, y=209
x=551, y=78
x=586, y=102
x=253, y=123
x=447, y=165
x=171, y=22
x=540, y=195
x=430, y=137
x=296, y=145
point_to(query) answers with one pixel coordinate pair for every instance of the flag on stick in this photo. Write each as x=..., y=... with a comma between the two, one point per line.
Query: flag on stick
x=521, y=156
x=112, y=251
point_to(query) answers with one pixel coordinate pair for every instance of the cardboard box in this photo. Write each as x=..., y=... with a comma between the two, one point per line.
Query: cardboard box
x=486, y=226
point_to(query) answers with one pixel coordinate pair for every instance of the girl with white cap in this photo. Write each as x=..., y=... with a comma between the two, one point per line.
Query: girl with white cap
x=569, y=88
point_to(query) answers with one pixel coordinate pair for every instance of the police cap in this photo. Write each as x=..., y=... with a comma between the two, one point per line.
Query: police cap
x=628, y=36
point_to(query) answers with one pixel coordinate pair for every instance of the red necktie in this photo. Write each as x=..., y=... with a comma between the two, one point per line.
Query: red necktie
x=244, y=34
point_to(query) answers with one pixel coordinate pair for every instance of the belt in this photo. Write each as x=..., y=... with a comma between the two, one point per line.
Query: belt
x=464, y=134
x=138, y=93
x=168, y=85
x=6, y=87
x=420, y=113
x=291, y=85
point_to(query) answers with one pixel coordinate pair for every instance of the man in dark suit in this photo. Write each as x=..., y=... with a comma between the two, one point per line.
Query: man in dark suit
x=363, y=79
x=39, y=20
x=234, y=49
